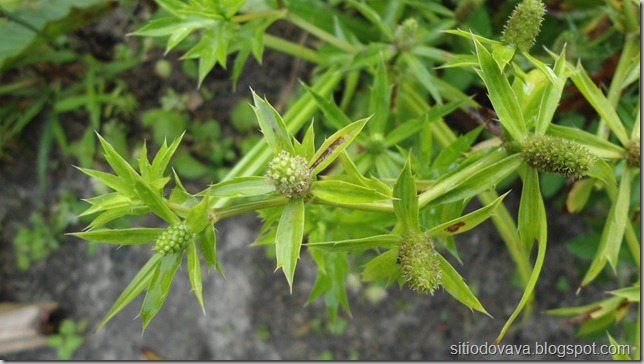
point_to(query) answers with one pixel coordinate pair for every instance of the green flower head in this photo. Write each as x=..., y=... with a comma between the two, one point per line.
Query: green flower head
x=291, y=176
x=174, y=239
x=419, y=263
x=522, y=28
x=633, y=153
x=556, y=155
x=405, y=36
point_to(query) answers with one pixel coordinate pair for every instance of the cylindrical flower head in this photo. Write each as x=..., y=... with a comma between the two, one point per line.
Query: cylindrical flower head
x=290, y=175
x=633, y=153
x=405, y=36
x=556, y=155
x=174, y=239
x=419, y=263
x=522, y=28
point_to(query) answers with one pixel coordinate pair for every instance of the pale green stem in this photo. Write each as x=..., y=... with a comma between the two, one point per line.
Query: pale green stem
x=638, y=334
x=633, y=244
x=322, y=34
x=293, y=49
x=254, y=16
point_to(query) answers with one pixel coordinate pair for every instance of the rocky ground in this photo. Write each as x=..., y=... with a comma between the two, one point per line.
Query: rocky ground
x=251, y=314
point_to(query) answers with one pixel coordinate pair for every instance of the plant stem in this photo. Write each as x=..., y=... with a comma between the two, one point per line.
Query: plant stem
x=292, y=49
x=633, y=244
x=254, y=16
x=322, y=34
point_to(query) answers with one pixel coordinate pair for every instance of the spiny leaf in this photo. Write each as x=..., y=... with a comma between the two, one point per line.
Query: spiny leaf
x=456, y=286
x=382, y=266
x=154, y=201
x=197, y=218
x=371, y=242
x=466, y=222
x=501, y=94
x=334, y=145
x=138, y=284
x=241, y=186
x=194, y=272
x=406, y=199
x=121, y=236
x=289, y=238
x=160, y=286
x=272, y=126
x=341, y=192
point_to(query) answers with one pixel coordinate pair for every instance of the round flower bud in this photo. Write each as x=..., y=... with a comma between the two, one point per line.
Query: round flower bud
x=556, y=155
x=174, y=239
x=522, y=28
x=405, y=36
x=633, y=153
x=419, y=263
x=290, y=175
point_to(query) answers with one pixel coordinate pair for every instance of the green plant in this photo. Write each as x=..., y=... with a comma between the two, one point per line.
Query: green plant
x=44, y=233
x=395, y=183
x=68, y=339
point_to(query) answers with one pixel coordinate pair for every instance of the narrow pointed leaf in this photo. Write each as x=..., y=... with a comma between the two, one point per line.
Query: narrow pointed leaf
x=115, y=213
x=579, y=194
x=179, y=194
x=534, y=276
x=334, y=145
x=469, y=35
x=194, y=273
x=360, y=244
x=529, y=216
x=138, y=284
x=288, y=240
x=466, y=222
x=613, y=233
x=373, y=17
x=630, y=293
x=552, y=93
x=380, y=100
x=144, y=163
x=160, y=286
x=341, y=192
x=308, y=143
x=501, y=94
x=599, y=102
x=118, y=164
x=197, y=218
x=208, y=246
x=482, y=180
x=456, y=286
x=162, y=159
x=383, y=266
x=241, y=187
x=121, y=236
x=334, y=115
x=117, y=201
x=272, y=126
x=619, y=353
x=599, y=146
x=419, y=71
x=406, y=200
x=154, y=201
